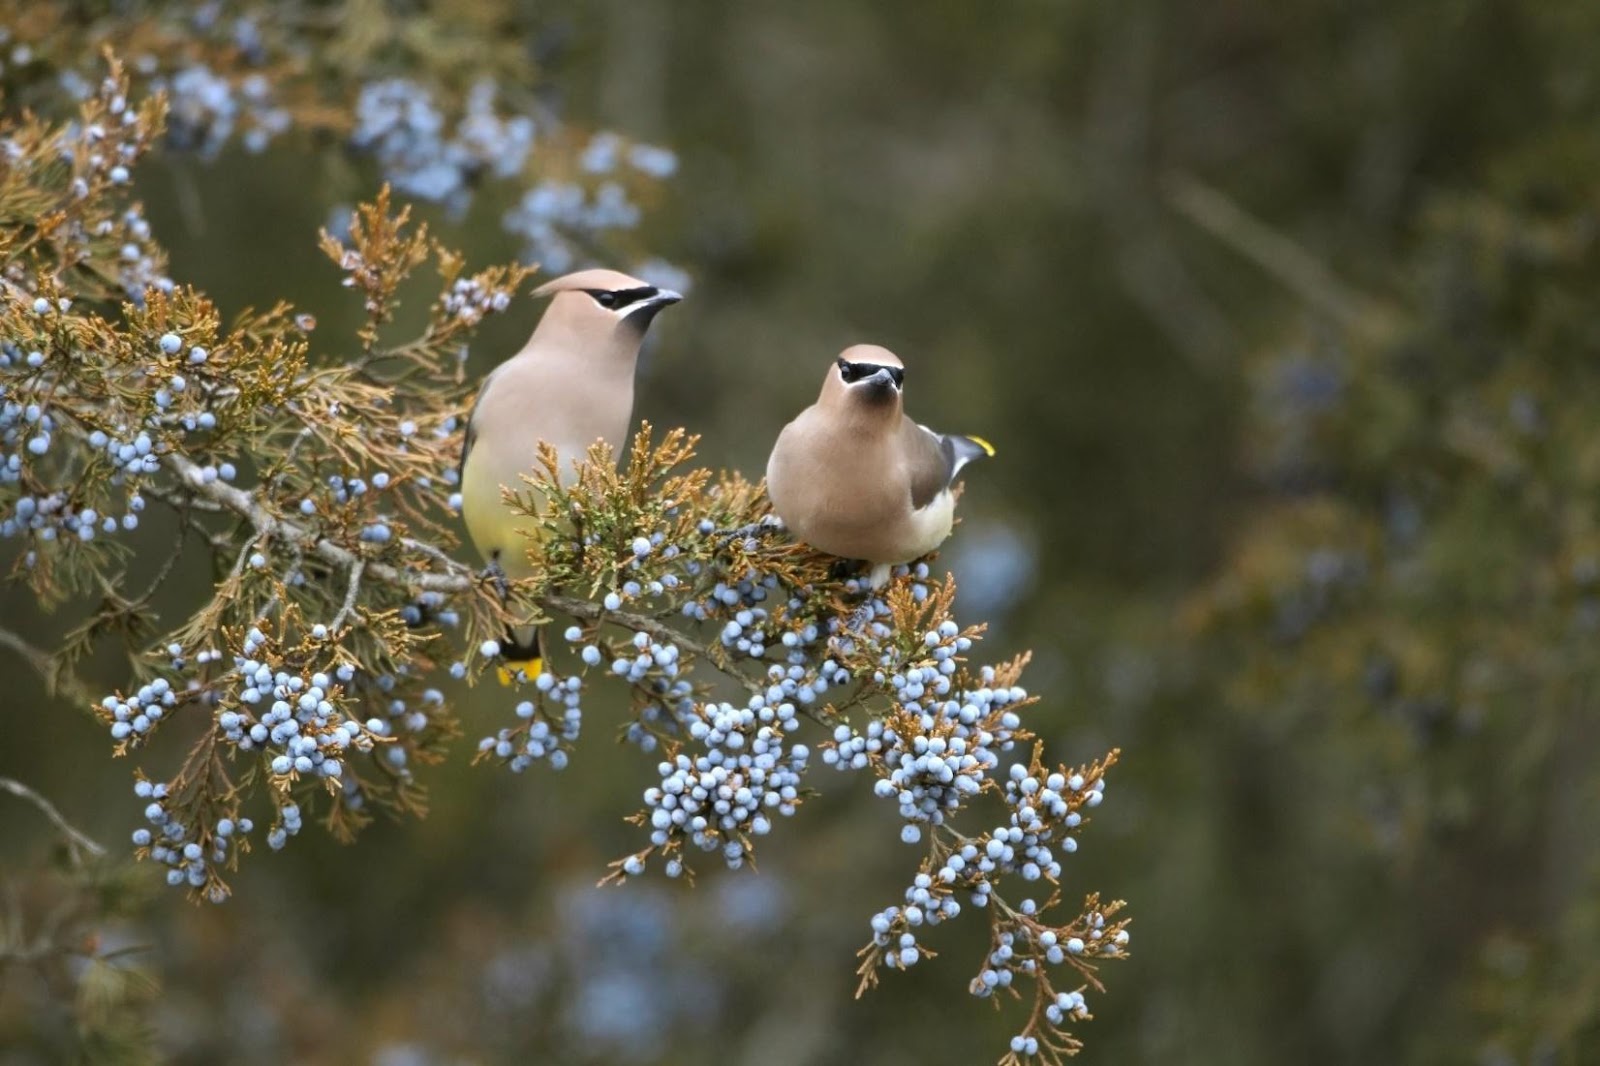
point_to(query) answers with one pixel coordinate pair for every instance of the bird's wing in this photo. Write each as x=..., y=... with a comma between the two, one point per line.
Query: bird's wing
x=470, y=437
x=937, y=458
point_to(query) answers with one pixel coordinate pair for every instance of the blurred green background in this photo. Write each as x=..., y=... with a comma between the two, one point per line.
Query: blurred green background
x=1282, y=319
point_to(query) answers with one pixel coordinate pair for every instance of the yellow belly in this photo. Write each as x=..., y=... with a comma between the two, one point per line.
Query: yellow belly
x=496, y=531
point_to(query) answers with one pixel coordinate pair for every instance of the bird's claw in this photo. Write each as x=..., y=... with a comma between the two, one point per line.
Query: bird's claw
x=763, y=527
x=861, y=617
x=496, y=573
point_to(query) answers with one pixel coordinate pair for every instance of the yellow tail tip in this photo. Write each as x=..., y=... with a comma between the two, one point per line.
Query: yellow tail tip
x=988, y=449
x=521, y=672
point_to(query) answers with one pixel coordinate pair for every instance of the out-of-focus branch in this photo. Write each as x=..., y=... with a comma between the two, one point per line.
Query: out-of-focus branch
x=36, y=658
x=41, y=662
x=75, y=838
x=1292, y=265
x=1117, y=133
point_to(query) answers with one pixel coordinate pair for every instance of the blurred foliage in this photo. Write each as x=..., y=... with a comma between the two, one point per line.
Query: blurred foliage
x=1416, y=602
x=71, y=985
x=1278, y=316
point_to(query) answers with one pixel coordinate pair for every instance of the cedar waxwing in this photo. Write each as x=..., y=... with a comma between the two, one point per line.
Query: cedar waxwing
x=854, y=477
x=570, y=385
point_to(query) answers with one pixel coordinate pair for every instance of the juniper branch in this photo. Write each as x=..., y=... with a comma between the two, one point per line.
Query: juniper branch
x=451, y=576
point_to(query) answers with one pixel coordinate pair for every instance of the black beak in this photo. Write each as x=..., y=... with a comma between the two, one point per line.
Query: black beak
x=877, y=387
x=641, y=316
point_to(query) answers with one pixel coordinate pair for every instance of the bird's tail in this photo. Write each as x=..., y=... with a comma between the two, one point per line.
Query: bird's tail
x=965, y=448
x=524, y=654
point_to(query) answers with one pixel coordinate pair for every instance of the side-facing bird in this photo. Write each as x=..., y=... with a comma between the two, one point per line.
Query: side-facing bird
x=855, y=477
x=571, y=385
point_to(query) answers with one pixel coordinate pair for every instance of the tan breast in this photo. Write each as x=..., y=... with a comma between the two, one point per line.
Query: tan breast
x=849, y=496
x=570, y=403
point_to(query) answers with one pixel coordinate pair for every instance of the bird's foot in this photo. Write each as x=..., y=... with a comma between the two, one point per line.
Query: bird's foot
x=496, y=573
x=861, y=617
x=417, y=614
x=865, y=578
x=864, y=581
x=763, y=527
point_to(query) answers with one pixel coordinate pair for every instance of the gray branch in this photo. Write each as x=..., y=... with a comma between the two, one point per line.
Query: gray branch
x=1291, y=264
x=75, y=838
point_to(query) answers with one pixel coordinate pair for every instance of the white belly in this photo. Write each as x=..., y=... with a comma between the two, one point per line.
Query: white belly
x=929, y=527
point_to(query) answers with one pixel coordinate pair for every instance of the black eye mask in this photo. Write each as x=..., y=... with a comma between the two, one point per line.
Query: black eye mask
x=851, y=373
x=611, y=299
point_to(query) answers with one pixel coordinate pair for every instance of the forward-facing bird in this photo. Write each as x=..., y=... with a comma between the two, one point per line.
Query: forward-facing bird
x=571, y=385
x=853, y=476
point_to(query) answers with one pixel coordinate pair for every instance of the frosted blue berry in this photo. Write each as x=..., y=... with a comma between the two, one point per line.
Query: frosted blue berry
x=170, y=343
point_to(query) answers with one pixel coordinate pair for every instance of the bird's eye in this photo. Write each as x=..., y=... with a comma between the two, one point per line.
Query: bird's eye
x=608, y=300
x=848, y=371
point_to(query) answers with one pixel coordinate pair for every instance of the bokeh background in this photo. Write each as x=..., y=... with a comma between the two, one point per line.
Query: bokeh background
x=1282, y=317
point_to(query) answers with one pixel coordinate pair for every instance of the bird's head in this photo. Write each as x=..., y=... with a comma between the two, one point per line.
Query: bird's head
x=865, y=377
x=601, y=302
